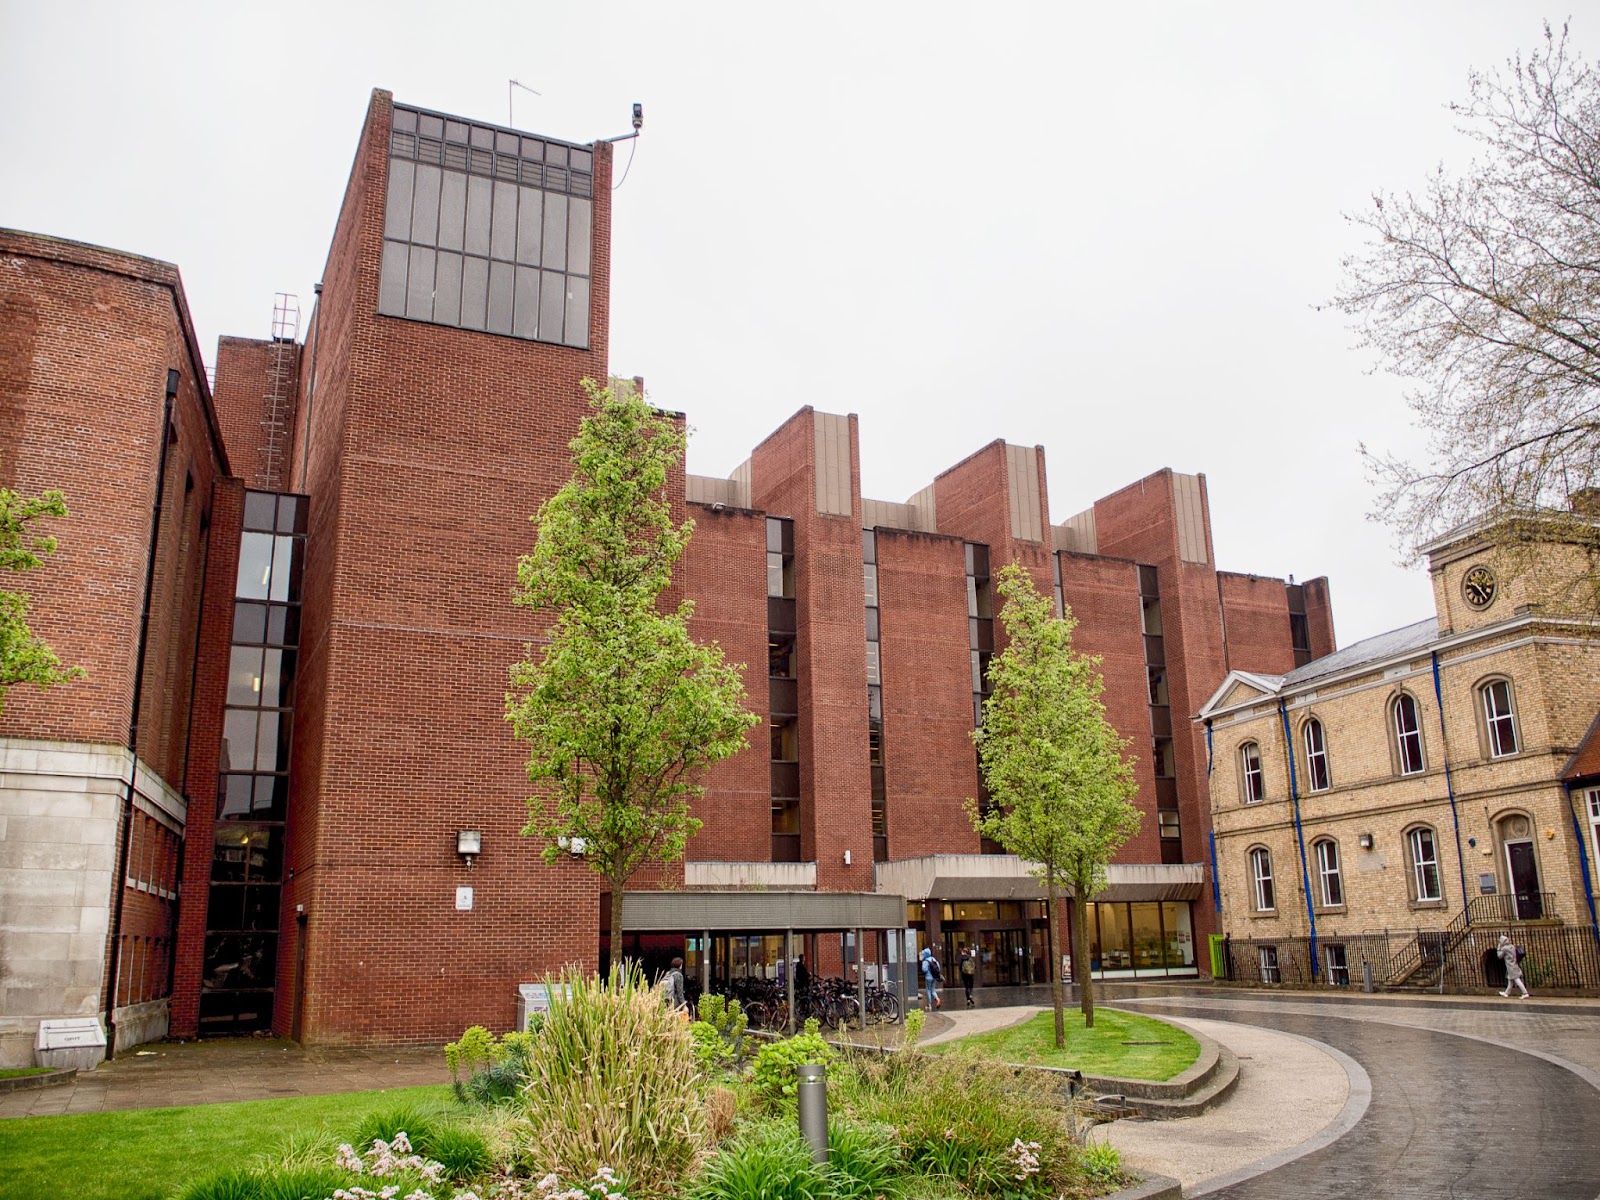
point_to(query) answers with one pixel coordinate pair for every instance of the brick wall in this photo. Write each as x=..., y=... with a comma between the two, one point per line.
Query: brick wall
x=725, y=570
x=1255, y=613
x=931, y=765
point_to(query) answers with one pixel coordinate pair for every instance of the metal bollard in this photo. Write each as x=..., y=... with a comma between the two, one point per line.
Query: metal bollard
x=1366, y=975
x=814, y=1109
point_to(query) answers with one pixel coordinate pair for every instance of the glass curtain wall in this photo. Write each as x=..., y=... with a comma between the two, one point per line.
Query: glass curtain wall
x=241, y=946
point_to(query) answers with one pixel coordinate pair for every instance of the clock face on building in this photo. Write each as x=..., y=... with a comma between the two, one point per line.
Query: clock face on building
x=1478, y=586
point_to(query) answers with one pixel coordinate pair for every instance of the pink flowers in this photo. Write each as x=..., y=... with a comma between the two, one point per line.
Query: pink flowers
x=1025, y=1157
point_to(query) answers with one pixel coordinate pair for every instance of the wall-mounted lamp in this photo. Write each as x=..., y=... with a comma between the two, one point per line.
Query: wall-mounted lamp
x=1364, y=840
x=573, y=846
x=469, y=844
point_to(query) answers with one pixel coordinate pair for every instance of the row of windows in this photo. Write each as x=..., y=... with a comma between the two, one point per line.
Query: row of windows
x=1422, y=863
x=1405, y=732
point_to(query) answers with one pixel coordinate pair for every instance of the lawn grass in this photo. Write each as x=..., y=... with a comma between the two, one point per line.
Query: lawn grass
x=148, y=1153
x=1127, y=1045
x=19, y=1072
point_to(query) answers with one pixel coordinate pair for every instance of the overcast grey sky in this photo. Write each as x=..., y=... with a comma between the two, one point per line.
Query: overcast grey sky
x=1104, y=231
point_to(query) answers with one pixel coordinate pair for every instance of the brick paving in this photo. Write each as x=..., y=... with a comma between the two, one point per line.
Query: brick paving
x=1481, y=1100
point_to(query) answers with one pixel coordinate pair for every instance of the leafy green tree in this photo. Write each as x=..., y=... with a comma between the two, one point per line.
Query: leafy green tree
x=621, y=709
x=1483, y=291
x=24, y=657
x=1059, y=784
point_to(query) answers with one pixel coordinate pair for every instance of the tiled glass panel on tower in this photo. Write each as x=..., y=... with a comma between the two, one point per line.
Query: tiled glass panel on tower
x=253, y=771
x=487, y=229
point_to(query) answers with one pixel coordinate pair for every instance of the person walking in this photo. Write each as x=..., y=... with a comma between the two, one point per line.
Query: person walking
x=969, y=973
x=932, y=976
x=675, y=989
x=1508, y=955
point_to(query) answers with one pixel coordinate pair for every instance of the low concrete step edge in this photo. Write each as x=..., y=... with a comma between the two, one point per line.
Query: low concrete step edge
x=55, y=1078
x=1151, y=1187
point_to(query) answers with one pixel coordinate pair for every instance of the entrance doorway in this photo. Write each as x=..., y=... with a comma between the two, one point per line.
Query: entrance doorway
x=1523, y=872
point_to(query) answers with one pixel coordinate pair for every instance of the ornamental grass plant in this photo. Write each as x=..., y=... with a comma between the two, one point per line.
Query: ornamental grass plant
x=613, y=1083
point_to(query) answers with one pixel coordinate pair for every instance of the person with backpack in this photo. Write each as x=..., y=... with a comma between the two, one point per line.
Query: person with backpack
x=969, y=972
x=1511, y=956
x=675, y=989
x=932, y=977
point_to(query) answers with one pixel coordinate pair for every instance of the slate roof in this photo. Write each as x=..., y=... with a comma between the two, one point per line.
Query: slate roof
x=1586, y=762
x=1384, y=645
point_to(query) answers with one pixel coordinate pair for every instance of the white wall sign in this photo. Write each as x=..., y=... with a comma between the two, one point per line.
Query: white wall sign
x=463, y=899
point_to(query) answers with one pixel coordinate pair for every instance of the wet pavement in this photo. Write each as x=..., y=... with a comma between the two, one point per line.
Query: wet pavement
x=1481, y=1102
x=216, y=1072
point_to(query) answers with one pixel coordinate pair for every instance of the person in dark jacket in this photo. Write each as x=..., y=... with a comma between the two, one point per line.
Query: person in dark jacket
x=969, y=972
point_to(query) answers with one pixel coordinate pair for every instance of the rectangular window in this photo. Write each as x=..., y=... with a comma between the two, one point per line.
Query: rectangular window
x=1261, y=878
x=1408, y=735
x=1497, y=712
x=1269, y=964
x=1316, y=758
x=1424, y=865
x=1328, y=874
x=1250, y=766
x=1167, y=818
x=1333, y=958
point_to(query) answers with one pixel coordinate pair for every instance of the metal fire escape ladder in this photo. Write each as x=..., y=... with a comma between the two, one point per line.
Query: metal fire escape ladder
x=277, y=407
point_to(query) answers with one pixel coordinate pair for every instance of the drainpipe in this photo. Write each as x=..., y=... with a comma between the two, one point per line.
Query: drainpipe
x=120, y=883
x=1450, y=790
x=1216, y=886
x=1300, y=834
x=1583, y=863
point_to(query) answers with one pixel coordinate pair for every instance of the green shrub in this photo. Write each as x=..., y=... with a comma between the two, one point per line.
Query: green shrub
x=915, y=1020
x=766, y=1160
x=303, y=1183
x=612, y=1084
x=476, y=1049
x=417, y=1125
x=464, y=1153
x=964, y=1117
x=224, y=1185
x=866, y=1161
x=1101, y=1161
x=776, y=1075
x=486, y=1071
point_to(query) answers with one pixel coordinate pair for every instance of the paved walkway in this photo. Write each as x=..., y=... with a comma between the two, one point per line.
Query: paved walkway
x=215, y=1072
x=1290, y=1090
x=1481, y=1101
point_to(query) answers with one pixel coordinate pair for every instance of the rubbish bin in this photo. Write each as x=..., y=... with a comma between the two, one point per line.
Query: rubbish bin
x=1219, y=956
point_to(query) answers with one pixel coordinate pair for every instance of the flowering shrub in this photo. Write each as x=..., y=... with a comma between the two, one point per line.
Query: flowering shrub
x=387, y=1158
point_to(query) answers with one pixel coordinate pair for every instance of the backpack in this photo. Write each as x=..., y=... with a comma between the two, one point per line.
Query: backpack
x=935, y=972
x=1522, y=953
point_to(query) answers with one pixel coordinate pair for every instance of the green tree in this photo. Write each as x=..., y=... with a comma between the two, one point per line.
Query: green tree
x=621, y=709
x=1483, y=291
x=1059, y=784
x=24, y=657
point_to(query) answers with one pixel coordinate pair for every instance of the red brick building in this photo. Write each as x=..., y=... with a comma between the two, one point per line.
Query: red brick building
x=331, y=630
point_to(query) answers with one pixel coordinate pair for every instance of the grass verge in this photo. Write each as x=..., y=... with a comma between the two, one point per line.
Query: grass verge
x=19, y=1072
x=1127, y=1045
x=148, y=1153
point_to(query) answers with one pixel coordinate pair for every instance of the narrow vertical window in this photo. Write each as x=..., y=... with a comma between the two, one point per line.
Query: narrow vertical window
x=1261, y=879
x=1497, y=715
x=1328, y=876
x=1424, y=865
x=1408, y=734
x=1317, y=778
x=1250, y=768
x=1269, y=964
x=1338, y=964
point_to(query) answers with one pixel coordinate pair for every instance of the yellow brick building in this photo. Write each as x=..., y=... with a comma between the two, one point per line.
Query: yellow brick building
x=1425, y=782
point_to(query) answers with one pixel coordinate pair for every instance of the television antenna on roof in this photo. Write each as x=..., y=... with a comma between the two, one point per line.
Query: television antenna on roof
x=511, y=91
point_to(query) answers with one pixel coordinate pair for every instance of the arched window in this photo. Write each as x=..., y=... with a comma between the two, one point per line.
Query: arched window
x=1261, y=879
x=1317, y=779
x=1250, y=773
x=1329, y=879
x=1499, y=721
x=1407, y=734
x=1422, y=849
